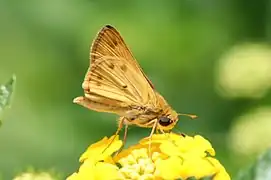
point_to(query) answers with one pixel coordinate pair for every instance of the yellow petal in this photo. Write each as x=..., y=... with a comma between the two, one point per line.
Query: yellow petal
x=169, y=168
x=100, y=150
x=204, y=144
x=160, y=138
x=106, y=171
x=198, y=168
x=170, y=149
x=74, y=176
x=86, y=171
x=221, y=171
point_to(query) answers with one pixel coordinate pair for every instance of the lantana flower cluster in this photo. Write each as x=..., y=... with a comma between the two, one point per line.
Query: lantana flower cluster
x=169, y=156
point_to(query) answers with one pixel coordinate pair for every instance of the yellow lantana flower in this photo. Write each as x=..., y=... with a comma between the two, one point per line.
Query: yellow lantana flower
x=102, y=149
x=163, y=157
x=94, y=166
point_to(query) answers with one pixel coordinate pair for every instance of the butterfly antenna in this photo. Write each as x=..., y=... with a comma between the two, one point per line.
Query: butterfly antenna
x=192, y=116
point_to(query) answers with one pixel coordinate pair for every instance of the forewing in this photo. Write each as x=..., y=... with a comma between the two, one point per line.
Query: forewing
x=114, y=80
x=110, y=43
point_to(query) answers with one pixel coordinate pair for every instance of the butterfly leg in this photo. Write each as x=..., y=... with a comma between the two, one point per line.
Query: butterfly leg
x=150, y=136
x=125, y=134
x=121, y=122
x=124, y=139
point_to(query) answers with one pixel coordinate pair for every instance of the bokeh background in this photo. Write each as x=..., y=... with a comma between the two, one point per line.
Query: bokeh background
x=210, y=58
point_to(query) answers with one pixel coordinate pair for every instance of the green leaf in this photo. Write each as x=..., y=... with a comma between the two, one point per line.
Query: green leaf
x=6, y=92
x=260, y=170
x=208, y=178
x=191, y=178
x=203, y=178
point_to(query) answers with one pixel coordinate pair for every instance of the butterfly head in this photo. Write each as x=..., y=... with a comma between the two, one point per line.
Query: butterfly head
x=168, y=121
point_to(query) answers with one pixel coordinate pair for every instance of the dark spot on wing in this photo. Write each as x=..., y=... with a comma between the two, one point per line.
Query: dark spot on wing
x=123, y=67
x=111, y=66
x=100, y=77
x=115, y=42
x=125, y=86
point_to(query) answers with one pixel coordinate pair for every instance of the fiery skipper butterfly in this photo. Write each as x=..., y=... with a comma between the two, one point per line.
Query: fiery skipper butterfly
x=115, y=83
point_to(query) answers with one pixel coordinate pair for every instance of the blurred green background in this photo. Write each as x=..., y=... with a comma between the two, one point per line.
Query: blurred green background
x=210, y=58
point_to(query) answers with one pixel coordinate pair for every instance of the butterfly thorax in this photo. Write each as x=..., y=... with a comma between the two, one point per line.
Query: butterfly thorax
x=146, y=116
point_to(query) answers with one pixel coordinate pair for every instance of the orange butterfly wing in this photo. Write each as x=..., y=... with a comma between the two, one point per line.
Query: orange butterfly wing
x=115, y=82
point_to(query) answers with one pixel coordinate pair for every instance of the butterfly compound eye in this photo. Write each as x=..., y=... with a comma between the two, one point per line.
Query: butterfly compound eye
x=164, y=121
